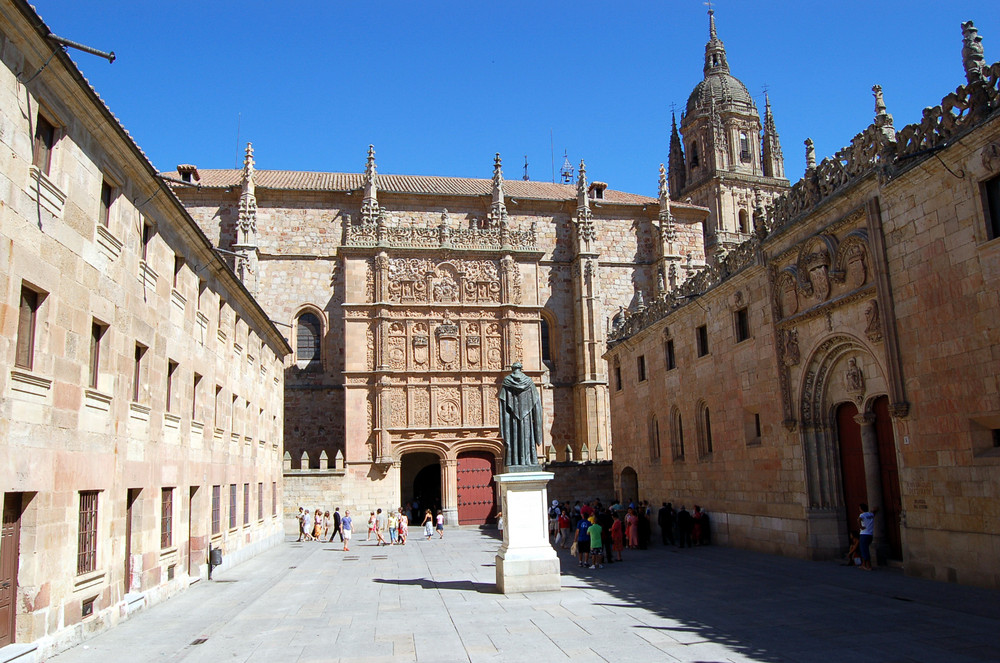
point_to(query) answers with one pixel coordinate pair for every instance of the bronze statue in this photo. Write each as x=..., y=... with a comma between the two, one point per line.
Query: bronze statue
x=520, y=420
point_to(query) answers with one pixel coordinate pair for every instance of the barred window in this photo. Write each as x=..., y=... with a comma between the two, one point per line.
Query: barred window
x=232, y=506
x=307, y=337
x=216, y=509
x=260, y=500
x=166, y=517
x=246, y=504
x=86, y=549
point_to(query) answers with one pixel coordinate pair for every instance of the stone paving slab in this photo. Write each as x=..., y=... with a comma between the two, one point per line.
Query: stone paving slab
x=435, y=601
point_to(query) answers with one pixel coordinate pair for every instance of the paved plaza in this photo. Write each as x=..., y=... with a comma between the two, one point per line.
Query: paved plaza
x=436, y=601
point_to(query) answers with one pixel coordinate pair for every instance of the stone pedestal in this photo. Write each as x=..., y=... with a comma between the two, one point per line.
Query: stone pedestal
x=526, y=561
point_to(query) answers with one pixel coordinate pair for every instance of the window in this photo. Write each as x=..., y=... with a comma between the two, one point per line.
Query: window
x=260, y=500
x=654, y=439
x=307, y=337
x=704, y=430
x=218, y=407
x=86, y=547
x=216, y=509
x=274, y=498
x=26, y=318
x=171, y=374
x=693, y=151
x=677, y=434
x=140, y=352
x=166, y=517
x=992, y=193
x=641, y=367
x=202, y=288
x=702, y=334
x=752, y=428
x=45, y=140
x=756, y=423
x=668, y=351
x=246, y=504
x=744, y=146
x=195, y=387
x=147, y=239
x=232, y=506
x=178, y=266
x=744, y=221
x=107, y=197
x=546, y=343
x=232, y=415
x=618, y=376
x=96, y=333
x=741, y=321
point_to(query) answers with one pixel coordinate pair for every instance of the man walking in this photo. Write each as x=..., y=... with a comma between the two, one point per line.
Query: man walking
x=336, y=525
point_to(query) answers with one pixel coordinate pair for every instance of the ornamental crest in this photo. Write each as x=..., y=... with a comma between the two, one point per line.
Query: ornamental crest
x=446, y=336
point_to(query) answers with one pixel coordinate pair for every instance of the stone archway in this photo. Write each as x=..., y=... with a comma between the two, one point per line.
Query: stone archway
x=420, y=480
x=841, y=375
x=629, y=485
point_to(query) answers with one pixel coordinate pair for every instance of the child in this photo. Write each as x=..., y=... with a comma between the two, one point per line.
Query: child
x=596, y=545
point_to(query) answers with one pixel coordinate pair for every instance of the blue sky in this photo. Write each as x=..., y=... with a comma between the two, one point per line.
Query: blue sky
x=438, y=87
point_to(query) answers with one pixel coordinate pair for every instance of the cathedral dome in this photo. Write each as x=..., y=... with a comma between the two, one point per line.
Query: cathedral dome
x=722, y=91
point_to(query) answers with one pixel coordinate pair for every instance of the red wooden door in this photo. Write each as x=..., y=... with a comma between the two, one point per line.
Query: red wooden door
x=852, y=463
x=892, y=503
x=476, y=488
x=10, y=537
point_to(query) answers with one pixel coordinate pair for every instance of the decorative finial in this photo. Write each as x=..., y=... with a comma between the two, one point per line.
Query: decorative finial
x=879, y=100
x=525, y=178
x=810, y=154
x=369, y=204
x=715, y=51
x=972, y=53
x=581, y=180
x=566, y=172
x=711, y=22
x=498, y=208
x=664, y=187
x=370, y=163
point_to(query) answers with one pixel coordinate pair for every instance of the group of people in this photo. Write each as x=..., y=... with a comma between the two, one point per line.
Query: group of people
x=386, y=527
x=597, y=534
x=317, y=525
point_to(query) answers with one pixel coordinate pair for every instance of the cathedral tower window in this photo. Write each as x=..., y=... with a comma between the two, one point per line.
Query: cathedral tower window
x=744, y=221
x=693, y=152
x=308, y=332
x=744, y=146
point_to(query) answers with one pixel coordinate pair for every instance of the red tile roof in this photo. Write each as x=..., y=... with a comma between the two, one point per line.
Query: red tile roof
x=294, y=180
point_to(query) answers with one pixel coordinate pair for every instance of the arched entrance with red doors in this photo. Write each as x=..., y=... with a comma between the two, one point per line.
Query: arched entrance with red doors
x=852, y=463
x=476, y=487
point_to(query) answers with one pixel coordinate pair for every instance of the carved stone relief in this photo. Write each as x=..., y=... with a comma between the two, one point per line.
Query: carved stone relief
x=873, y=328
x=473, y=406
x=421, y=407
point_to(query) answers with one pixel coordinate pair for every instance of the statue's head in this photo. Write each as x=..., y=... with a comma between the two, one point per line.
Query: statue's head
x=516, y=366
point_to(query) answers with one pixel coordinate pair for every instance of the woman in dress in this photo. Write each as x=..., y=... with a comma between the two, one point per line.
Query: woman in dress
x=428, y=524
x=632, y=529
x=617, y=540
x=317, y=525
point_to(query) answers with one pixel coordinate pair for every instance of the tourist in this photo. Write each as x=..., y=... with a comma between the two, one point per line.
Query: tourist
x=404, y=527
x=439, y=525
x=393, y=523
x=563, y=537
x=345, y=529
x=327, y=523
x=317, y=532
x=371, y=525
x=336, y=525
x=632, y=528
x=605, y=520
x=867, y=521
x=617, y=538
x=553, y=519
x=500, y=522
x=428, y=524
x=696, y=526
x=665, y=519
x=582, y=541
x=684, y=524
x=307, y=525
x=596, y=532
x=301, y=518
x=380, y=528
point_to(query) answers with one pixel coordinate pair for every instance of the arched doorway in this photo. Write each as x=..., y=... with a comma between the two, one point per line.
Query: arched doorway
x=852, y=463
x=629, y=485
x=420, y=481
x=892, y=504
x=476, y=487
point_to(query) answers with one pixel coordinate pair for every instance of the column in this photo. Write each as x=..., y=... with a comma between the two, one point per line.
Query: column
x=449, y=490
x=873, y=480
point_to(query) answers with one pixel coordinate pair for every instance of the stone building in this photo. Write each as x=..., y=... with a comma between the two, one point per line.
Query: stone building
x=407, y=298
x=141, y=408
x=844, y=353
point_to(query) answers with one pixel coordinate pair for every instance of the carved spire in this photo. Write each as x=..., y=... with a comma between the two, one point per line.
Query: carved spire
x=973, y=58
x=247, y=219
x=584, y=217
x=715, y=51
x=498, y=209
x=882, y=118
x=772, y=160
x=369, y=204
x=678, y=171
x=666, y=219
x=810, y=154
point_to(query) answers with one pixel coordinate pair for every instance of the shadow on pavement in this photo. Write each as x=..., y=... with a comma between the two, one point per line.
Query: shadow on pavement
x=465, y=585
